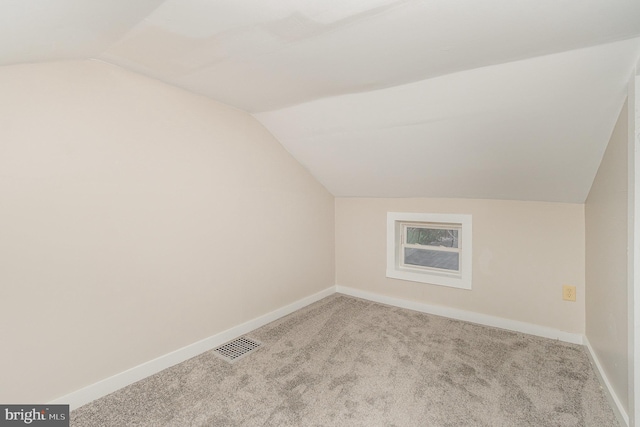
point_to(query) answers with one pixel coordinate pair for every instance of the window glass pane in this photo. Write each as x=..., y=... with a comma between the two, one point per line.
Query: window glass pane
x=432, y=259
x=432, y=237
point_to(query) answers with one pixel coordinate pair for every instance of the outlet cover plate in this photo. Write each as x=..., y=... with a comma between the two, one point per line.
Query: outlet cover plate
x=568, y=293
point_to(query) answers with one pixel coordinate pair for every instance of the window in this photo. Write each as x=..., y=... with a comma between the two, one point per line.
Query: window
x=429, y=248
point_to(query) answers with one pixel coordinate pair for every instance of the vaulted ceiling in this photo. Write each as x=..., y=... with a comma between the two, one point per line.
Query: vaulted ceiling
x=379, y=98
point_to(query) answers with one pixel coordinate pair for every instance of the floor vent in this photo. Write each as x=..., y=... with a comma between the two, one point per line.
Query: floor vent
x=237, y=349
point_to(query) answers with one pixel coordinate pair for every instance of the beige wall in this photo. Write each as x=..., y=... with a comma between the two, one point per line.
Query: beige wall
x=606, y=261
x=137, y=218
x=523, y=252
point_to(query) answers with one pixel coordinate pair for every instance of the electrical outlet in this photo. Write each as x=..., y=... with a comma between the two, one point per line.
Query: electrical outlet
x=569, y=293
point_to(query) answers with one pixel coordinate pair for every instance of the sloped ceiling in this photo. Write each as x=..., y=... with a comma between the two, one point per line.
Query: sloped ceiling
x=526, y=130
x=380, y=98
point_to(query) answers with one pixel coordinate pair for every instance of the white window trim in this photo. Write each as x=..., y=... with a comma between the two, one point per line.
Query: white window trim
x=395, y=270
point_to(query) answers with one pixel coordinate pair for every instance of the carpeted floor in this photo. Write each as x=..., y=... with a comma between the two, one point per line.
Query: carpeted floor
x=348, y=362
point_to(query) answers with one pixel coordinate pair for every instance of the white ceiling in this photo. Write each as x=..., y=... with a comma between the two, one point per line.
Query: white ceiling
x=528, y=130
x=382, y=98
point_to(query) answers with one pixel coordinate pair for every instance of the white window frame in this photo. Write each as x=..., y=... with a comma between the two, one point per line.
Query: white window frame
x=397, y=222
x=431, y=226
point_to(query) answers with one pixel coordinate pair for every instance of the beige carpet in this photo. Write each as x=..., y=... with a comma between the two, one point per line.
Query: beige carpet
x=348, y=362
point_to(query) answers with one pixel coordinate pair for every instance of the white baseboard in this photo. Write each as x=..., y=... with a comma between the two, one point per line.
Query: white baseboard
x=616, y=405
x=137, y=373
x=468, y=316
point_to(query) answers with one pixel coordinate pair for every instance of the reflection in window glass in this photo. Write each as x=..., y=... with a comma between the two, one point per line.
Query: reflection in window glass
x=432, y=259
x=432, y=237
